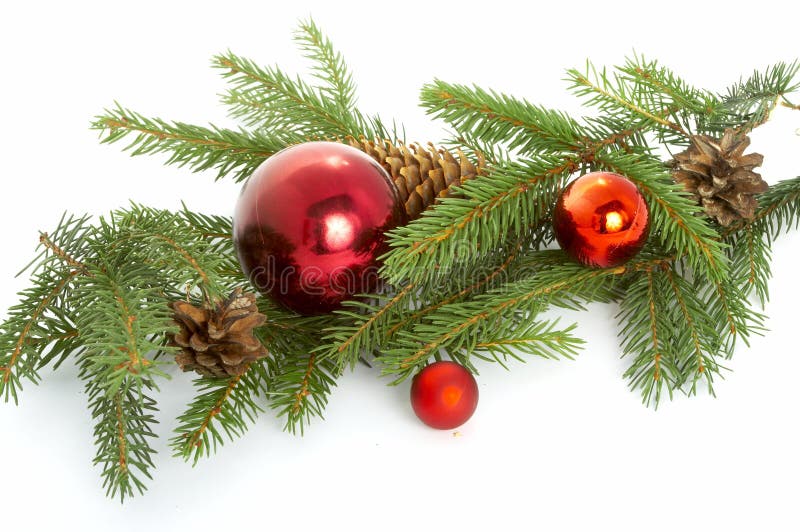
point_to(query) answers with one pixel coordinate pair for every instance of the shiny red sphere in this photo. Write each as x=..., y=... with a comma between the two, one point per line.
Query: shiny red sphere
x=444, y=395
x=310, y=222
x=601, y=220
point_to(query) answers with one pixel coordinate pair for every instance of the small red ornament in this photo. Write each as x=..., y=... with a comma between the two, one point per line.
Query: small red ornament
x=444, y=395
x=601, y=219
x=310, y=222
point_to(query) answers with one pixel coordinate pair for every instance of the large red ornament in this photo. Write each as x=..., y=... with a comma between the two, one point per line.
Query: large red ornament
x=601, y=219
x=310, y=222
x=444, y=395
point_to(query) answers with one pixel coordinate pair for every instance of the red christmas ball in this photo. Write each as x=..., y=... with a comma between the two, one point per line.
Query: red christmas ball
x=601, y=219
x=310, y=222
x=444, y=395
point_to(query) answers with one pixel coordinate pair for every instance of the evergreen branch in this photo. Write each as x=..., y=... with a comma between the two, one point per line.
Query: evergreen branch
x=499, y=119
x=222, y=406
x=459, y=326
x=345, y=343
x=65, y=257
x=231, y=153
x=475, y=287
x=120, y=323
x=617, y=96
x=646, y=328
x=122, y=433
x=367, y=332
x=300, y=385
x=512, y=199
x=540, y=339
x=729, y=310
x=696, y=341
x=663, y=88
x=749, y=103
x=672, y=213
x=24, y=335
x=9, y=380
x=329, y=66
x=281, y=104
x=750, y=258
x=779, y=210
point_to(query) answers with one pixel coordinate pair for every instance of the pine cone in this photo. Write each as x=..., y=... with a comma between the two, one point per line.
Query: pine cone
x=218, y=341
x=720, y=177
x=421, y=175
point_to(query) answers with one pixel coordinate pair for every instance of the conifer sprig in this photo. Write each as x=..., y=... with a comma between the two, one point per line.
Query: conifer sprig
x=467, y=280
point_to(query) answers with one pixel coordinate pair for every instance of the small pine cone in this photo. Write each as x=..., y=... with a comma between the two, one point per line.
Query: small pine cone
x=720, y=177
x=218, y=340
x=421, y=175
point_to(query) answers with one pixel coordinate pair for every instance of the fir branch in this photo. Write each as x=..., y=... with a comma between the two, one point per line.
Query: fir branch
x=514, y=198
x=749, y=241
x=476, y=287
x=749, y=103
x=345, y=343
x=695, y=339
x=750, y=258
x=282, y=104
x=460, y=326
x=329, y=66
x=663, y=89
x=779, y=210
x=366, y=332
x=231, y=153
x=122, y=433
x=226, y=406
x=614, y=94
x=120, y=324
x=43, y=308
x=542, y=339
x=300, y=386
x=729, y=309
x=501, y=119
x=646, y=329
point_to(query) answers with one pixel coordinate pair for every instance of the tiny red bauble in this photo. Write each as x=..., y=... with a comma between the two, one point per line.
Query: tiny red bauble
x=310, y=222
x=601, y=220
x=444, y=395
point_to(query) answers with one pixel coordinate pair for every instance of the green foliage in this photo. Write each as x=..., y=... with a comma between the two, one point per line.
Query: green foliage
x=300, y=388
x=503, y=312
x=40, y=327
x=234, y=153
x=123, y=433
x=502, y=119
x=222, y=407
x=748, y=103
x=468, y=280
x=514, y=198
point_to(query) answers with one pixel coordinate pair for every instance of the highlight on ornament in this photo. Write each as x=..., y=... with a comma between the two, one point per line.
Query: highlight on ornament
x=351, y=245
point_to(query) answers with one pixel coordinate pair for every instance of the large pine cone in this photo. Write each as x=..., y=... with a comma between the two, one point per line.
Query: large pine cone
x=217, y=340
x=421, y=175
x=720, y=177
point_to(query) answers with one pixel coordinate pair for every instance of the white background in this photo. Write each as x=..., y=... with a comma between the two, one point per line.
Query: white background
x=553, y=445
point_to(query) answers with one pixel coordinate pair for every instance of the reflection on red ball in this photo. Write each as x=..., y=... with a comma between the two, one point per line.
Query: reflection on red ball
x=601, y=219
x=310, y=222
x=444, y=395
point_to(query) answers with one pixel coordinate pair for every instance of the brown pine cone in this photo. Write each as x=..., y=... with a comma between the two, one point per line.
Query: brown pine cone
x=720, y=176
x=421, y=175
x=218, y=340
